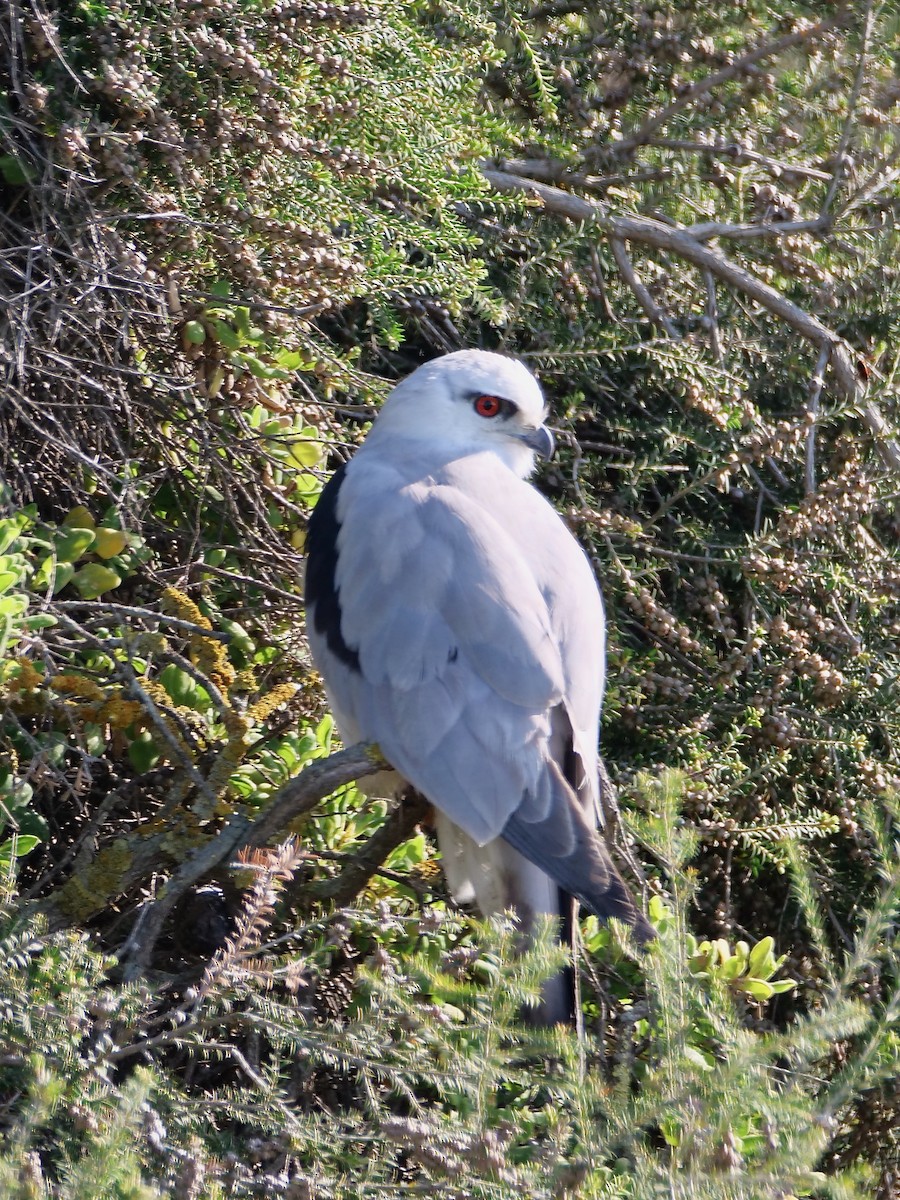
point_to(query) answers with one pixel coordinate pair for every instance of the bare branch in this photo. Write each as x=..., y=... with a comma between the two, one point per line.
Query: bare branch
x=677, y=240
x=852, y=103
x=738, y=154
x=297, y=797
x=812, y=411
x=554, y=170
x=706, y=230
x=712, y=316
x=131, y=610
x=626, y=268
x=740, y=66
x=412, y=809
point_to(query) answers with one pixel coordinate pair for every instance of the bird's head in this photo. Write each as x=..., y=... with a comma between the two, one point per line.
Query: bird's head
x=471, y=401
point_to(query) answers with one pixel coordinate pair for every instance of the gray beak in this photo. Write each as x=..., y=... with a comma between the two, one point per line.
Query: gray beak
x=540, y=440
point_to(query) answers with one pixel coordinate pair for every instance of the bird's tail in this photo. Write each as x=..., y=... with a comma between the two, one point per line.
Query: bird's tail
x=553, y=832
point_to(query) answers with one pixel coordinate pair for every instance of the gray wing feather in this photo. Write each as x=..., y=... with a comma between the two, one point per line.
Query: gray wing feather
x=461, y=582
x=480, y=645
x=458, y=663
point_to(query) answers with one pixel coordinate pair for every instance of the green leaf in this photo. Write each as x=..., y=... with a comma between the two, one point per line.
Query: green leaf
x=290, y=360
x=39, y=621
x=731, y=967
x=14, y=171
x=305, y=453
x=65, y=573
x=71, y=544
x=759, y=989
x=16, y=847
x=226, y=335
x=259, y=369
x=142, y=752
x=10, y=530
x=79, y=517
x=93, y=579
x=324, y=732
x=761, y=962
x=109, y=542
x=14, y=605
x=779, y=986
x=181, y=686
x=194, y=333
x=701, y=1059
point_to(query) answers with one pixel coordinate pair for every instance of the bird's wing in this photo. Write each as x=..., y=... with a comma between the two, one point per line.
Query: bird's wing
x=456, y=666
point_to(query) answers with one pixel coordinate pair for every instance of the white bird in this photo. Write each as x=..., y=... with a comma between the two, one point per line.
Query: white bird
x=458, y=624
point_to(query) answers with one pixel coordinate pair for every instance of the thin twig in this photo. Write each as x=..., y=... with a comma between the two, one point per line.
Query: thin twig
x=712, y=316
x=707, y=230
x=852, y=103
x=130, y=610
x=626, y=269
x=738, y=154
x=812, y=411
x=740, y=66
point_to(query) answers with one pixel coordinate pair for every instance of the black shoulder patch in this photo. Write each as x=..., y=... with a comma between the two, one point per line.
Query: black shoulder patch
x=321, y=564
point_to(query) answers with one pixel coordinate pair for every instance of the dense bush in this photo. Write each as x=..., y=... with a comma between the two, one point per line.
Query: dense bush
x=224, y=229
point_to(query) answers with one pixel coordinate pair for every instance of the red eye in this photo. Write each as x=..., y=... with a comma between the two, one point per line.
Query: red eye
x=487, y=406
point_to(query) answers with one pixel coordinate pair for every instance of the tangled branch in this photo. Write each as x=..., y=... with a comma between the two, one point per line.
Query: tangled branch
x=297, y=797
x=689, y=244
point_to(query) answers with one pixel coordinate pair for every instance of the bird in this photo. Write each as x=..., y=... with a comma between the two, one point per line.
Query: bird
x=457, y=623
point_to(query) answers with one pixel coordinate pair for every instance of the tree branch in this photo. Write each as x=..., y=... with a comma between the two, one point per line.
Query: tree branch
x=297, y=797
x=812, y=409
x=852, y=104
x=412, y=809
x=738, y=154
x=739, y=66
x=707, y=230
x=680, y=241
x=626, y=269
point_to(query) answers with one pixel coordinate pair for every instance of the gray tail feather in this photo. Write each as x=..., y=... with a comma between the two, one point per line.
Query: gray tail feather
x=562, y=843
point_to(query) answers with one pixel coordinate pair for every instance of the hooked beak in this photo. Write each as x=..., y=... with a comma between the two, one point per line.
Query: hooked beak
x=540, y=440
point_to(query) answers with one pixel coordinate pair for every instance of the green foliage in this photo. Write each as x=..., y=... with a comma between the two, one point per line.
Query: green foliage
x=427, y=1079
x=227, y=229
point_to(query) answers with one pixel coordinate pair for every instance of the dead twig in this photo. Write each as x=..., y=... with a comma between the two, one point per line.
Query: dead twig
x=131, y=610
x=739, y=155
x=712, y=317
x=740, y=66
x=707, y=230
x=812, y=411
x=840, y=161
x=626, y=268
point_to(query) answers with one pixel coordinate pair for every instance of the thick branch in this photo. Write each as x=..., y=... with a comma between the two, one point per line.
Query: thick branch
x=297, y=797
x=361, y=866
x=680, y=241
